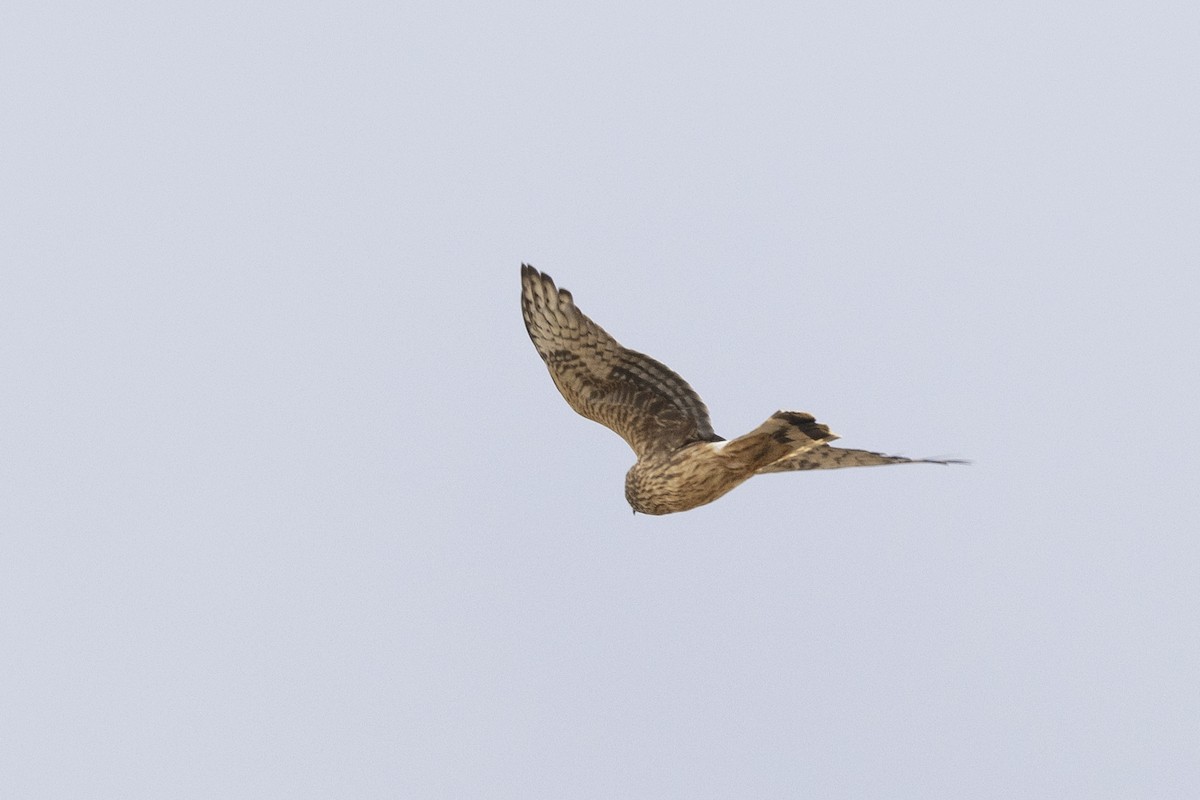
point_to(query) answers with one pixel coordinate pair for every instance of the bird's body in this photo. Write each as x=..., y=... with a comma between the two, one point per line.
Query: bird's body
x=700, y=472
x=681, y=462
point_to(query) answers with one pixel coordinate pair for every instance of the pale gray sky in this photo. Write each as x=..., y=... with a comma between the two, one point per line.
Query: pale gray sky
x=291, y=508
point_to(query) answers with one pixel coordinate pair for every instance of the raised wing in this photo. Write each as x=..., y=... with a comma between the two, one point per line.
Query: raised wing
x=647, y=404
x=827, y=457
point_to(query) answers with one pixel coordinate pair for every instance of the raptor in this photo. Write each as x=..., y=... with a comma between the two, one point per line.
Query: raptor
x=681, y=462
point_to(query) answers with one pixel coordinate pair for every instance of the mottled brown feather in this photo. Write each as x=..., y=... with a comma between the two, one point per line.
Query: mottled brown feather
x=641, y=399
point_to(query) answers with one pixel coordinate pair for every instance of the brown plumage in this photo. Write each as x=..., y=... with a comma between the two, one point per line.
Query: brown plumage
x=681, y=462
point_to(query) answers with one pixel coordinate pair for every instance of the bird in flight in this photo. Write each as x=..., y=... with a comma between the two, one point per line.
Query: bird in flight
x=681, y=462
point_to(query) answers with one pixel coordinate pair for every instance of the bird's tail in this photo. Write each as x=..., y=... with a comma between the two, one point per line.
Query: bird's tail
x=837, y=457
x=785, y=434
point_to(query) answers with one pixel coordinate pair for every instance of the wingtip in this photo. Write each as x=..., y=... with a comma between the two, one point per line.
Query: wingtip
x=530, y=271
x=541, y=283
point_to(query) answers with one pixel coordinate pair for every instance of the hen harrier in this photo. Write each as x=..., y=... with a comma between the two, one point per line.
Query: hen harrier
x=681, y=462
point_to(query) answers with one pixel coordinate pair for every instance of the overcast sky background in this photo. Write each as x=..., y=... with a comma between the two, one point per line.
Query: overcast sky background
x=291, y=508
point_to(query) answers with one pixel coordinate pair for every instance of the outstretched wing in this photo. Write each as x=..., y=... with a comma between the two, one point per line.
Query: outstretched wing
x=827, y=457
x=647, y=404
